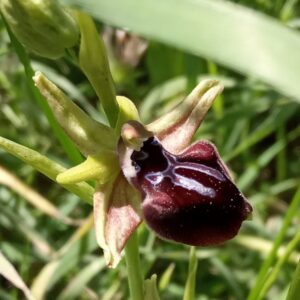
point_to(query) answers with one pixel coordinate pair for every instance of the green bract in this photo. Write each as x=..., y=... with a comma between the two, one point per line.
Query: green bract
x=43, y=26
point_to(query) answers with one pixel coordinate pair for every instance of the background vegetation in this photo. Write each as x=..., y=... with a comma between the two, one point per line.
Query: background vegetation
x=47, y=233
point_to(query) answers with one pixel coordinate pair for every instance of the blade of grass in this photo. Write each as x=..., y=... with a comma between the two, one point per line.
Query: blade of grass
x=34, y=198
x=294, y=290
x=265, y=158
x=263, y=246
x=276, y=269
x=264, y=270
x=150, y=286
x=281, y=166
x=76, y=286
x=42, y=247
x=8, y=271
x=242, y=39
x=166, y=277
x=65, y=258
x=229, y=277
x=268, y=126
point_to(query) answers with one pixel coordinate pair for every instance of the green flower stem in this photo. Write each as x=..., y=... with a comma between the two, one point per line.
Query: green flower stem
x=262, y=276
x=190, y=286
x=135, y=277
x=294, y=290
x=66, y=143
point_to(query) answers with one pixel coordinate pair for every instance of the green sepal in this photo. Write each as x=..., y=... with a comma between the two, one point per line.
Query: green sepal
x=90, y=136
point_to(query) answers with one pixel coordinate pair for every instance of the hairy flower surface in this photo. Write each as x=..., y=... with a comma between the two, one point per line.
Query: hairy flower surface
x=188, y=198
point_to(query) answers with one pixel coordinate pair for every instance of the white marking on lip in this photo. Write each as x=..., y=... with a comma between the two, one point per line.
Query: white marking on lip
x=193, y=185
x=204, y=169
x=155, y=177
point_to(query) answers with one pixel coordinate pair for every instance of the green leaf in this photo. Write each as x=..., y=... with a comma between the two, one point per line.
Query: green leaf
x=66, y=258
x=276, y=270
x=232, y=35
x=268, y=263
x=294, y=290
x=166, y=276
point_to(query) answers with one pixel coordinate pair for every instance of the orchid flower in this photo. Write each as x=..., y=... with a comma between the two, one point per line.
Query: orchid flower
x=142, y=171
x=152, y=172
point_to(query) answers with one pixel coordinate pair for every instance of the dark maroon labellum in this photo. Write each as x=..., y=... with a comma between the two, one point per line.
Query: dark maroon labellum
x=188, y=198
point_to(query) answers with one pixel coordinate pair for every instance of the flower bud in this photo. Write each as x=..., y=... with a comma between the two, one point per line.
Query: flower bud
x=188, y=198
x=43, y=26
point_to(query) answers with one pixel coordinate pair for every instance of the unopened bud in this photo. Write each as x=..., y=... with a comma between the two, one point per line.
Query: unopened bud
x=42, y=26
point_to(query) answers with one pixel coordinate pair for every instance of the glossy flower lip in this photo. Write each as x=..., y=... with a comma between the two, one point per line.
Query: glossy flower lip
x=188, y=198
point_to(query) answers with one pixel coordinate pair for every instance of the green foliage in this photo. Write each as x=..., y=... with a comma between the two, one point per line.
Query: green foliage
x=217, y=30
x=255, y=125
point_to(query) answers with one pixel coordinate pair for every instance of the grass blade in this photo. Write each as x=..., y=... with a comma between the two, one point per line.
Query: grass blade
x=189, y=291
x=276, y=270
x=33, y=197
x=294, y=290
x=8, y=271
x=76, y=286
x=232, y=35
x=262, y=276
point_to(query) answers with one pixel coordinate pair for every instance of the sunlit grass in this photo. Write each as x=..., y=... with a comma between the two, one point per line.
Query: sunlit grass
x=52, y=244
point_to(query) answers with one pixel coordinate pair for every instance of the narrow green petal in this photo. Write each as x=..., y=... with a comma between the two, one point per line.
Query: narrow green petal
x=101, y=167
